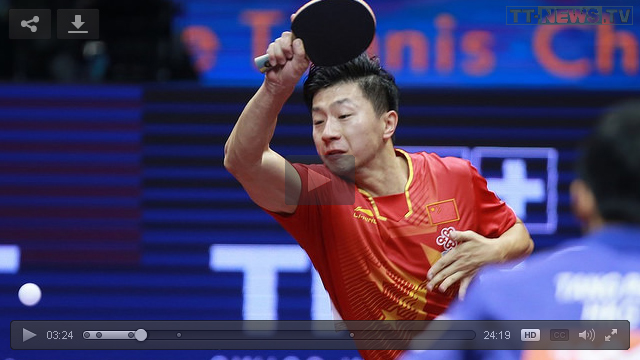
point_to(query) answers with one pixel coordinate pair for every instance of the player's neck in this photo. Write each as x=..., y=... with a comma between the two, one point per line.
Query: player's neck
x=386, y=174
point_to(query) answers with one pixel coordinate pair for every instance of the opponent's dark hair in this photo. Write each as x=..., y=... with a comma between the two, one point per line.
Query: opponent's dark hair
x=376, y=84
x=610, y=163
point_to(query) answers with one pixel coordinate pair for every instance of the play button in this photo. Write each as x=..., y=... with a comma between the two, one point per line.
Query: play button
x=26, y=335
x=315, y=180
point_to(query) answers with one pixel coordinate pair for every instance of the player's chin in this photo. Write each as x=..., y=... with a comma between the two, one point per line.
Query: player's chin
x=342, y=165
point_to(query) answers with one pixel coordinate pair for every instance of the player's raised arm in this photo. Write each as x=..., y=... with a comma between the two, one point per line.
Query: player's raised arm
x=260, y=170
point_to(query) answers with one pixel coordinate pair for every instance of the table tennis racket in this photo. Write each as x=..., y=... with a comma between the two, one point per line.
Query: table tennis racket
x=333, y=31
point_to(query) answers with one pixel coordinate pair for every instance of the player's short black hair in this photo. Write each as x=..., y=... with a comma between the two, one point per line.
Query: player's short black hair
x=377, y=85
x=610, y=163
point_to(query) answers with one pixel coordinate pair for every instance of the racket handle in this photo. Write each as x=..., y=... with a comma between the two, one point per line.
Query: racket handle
x=262, y=63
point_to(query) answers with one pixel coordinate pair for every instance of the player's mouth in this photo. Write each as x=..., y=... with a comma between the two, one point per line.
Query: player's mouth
x=334, y=153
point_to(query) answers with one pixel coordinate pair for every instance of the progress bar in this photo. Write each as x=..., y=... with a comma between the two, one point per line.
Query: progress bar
x=314, y=335
x=139, y=335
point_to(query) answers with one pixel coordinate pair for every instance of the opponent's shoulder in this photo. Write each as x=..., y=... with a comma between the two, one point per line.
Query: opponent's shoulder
x=548, y=262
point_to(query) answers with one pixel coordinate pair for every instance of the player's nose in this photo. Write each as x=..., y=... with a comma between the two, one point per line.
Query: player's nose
x=331, y=130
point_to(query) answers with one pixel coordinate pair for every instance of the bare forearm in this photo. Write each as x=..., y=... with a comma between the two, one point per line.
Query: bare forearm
x=515, y=242
x=254, y=129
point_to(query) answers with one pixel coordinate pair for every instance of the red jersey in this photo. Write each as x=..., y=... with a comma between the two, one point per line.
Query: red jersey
x=373, y=256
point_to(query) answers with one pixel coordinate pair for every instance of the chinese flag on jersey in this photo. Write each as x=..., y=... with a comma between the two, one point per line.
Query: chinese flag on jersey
x=443, y=211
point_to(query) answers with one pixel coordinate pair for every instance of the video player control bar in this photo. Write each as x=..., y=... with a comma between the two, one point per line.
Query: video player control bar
x=313, y=335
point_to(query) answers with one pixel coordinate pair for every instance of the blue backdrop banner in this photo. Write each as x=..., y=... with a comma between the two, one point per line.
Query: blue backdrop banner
x=434, y=43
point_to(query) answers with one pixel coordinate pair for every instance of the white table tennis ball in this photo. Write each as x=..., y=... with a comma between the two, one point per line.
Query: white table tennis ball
x=29, y=294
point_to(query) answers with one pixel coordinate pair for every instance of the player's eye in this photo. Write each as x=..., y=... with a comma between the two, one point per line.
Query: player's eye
x=344, y=116
x=318, y=122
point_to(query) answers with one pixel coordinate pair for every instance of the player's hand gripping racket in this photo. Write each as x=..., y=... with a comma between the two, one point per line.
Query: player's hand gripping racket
x=333, y=31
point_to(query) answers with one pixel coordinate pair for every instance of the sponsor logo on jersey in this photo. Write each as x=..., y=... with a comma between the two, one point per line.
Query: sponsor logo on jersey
x=445, y=241
x=364, y=214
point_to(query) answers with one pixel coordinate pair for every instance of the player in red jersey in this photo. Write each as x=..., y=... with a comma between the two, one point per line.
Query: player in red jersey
x=419, y=225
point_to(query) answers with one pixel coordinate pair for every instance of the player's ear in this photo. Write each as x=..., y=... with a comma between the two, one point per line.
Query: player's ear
x=390, y=119
x=583, y=202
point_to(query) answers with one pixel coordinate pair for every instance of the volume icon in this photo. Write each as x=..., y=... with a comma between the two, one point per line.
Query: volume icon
x=588, y=335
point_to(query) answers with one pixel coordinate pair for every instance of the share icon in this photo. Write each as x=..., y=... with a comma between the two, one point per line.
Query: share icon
x=33, y=28
x=29, y=24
